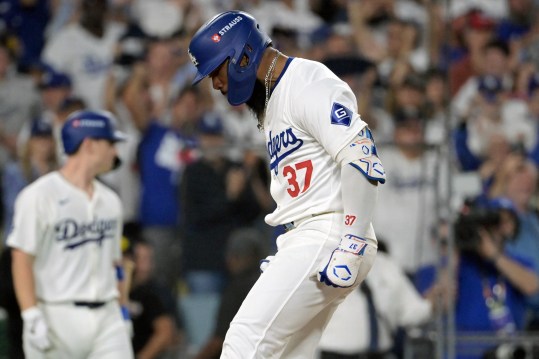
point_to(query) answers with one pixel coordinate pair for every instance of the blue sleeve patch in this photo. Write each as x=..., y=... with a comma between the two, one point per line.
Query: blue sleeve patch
x=340, y=115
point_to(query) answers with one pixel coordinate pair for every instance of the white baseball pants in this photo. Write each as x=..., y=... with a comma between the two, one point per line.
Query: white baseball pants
x=83, y=333
x=287, y=309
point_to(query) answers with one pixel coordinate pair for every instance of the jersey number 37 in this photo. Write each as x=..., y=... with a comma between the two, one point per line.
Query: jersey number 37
x=291, y=173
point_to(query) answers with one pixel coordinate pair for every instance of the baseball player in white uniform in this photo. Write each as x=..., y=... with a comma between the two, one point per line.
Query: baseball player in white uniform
x=85, y=50
x=66, y=250
x=325, y=171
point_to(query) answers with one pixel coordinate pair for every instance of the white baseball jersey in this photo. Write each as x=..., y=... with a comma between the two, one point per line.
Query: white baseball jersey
x=311, y=116
x=75, y=239
x=85, y=58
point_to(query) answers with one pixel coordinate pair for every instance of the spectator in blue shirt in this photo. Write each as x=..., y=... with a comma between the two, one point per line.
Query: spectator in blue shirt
x=492, y=283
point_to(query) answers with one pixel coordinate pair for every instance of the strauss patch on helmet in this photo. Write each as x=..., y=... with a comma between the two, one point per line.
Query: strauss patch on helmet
x=230, y=25
x=193, y=58
x=87, y=123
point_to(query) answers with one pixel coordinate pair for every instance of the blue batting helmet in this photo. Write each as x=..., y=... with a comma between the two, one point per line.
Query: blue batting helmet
x=230, y=35
x=89, y=124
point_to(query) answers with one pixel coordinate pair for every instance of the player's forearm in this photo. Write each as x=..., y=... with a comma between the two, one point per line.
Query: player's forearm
x=23, y=279
x=359, y=197
x=521, y=277
x=124, y=272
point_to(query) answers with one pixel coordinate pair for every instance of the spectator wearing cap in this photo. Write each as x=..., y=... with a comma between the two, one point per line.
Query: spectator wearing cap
x=485, y=134
x=498, y=124
x=495, y=61
x=516, y=181
x=55, y=87
x=492, y=283
x=37, y=158
x=485, y=118
x=472, y=31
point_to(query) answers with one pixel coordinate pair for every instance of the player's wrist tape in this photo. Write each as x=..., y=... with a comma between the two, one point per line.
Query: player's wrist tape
x=125, y=312
x=353, y=244
x=120, y=273
x=30, y=313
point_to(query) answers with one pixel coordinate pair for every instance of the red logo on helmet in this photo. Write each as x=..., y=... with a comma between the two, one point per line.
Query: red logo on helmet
x=76, y=123
x=216, y=38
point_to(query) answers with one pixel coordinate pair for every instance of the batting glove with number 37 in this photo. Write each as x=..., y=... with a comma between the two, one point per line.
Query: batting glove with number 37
x=36, y=327
x=342, y=268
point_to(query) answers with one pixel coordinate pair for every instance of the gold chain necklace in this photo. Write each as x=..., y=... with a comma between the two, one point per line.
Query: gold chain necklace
x=267, y=82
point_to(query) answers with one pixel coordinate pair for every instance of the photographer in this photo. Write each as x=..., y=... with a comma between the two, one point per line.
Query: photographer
x=492, y=284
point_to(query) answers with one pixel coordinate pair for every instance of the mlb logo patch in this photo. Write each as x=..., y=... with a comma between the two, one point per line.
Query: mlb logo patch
x=340, y=115
x=216, y=38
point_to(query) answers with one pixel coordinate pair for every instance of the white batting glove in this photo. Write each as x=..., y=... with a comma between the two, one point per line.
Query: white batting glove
x=342, y=268
x=36, y=327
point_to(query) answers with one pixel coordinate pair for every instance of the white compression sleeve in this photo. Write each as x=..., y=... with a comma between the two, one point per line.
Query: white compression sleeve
x=359, y=197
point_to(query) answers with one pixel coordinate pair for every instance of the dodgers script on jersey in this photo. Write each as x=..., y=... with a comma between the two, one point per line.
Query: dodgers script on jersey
x=77, y=237
x=311, y=116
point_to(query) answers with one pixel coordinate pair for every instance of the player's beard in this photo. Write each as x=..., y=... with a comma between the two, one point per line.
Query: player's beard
x=257, y=101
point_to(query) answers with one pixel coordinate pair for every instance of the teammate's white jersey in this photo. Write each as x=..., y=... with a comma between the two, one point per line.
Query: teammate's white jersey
x=413, y=185
x=75, y=239
x=311, y=116
x=85, y=58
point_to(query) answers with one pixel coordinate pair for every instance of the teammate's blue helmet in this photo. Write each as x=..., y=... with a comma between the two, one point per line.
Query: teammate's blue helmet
x=230, y=35
x=89, y=124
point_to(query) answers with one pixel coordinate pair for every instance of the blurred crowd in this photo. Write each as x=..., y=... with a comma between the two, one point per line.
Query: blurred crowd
x=450, y=90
